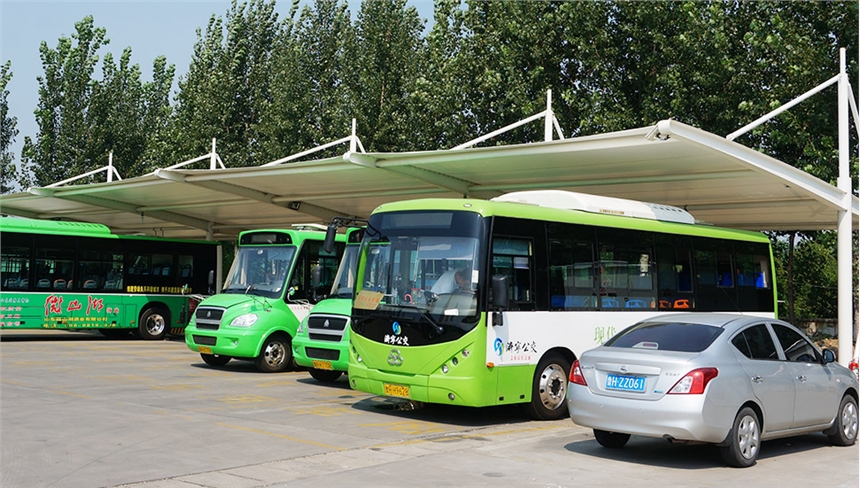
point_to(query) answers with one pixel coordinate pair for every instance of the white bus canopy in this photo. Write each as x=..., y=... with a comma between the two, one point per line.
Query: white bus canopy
x=716, y=180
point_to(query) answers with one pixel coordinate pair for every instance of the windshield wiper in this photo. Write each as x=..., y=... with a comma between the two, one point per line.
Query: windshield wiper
x=426, y=316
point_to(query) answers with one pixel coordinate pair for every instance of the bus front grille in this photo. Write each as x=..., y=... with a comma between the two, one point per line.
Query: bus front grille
x=325, y=337
x=320, y=322
x=320, y=353
x=208, y=318
x=203, y=340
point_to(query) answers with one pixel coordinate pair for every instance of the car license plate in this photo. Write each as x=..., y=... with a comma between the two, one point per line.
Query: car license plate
x=625, y=383
x=204, y=350
x=326, y=365
x=395, y=390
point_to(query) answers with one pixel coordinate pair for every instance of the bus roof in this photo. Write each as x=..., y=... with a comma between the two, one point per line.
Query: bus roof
x=533, y=211
x=35, y=226
x=299, y=232
x=80, y=229
x=598, y=204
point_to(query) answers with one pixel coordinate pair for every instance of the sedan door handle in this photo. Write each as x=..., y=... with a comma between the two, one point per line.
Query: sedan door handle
x=801, y=378
x=757, y=379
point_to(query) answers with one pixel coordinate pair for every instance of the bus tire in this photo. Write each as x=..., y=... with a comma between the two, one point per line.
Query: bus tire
x=153, y=324
x=549, y=388
x=276, y=355
x=325, y=376
x=215, y=359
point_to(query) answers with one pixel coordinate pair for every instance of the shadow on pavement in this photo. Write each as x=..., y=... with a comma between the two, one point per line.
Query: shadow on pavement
x=658, y=452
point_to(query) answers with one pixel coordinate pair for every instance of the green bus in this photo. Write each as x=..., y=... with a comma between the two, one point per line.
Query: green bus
x=322, y=339
x=477, y=303
x=276, y=277
x=73, y=275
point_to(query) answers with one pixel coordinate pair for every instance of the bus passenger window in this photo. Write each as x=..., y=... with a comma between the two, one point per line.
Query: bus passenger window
x=14, y=266
x=513, y=258
x=162, y=264
x=186, y=267
x=571, y=261
x=706, y=269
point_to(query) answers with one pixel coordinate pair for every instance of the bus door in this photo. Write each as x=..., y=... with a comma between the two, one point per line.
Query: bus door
x=514, y=341
x=313, y=276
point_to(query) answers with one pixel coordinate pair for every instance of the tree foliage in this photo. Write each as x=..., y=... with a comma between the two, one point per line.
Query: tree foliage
x=266, y=87
x=83, y=119
x=8, y=132
x=227, y=86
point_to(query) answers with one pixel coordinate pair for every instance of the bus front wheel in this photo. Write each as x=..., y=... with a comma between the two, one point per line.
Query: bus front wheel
x=153, y=324
x=324, y=376
x=215, y=359
x=549, y=388
x=275, y=356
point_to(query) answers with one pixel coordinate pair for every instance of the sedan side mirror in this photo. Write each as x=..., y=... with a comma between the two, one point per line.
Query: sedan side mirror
x=829, y=357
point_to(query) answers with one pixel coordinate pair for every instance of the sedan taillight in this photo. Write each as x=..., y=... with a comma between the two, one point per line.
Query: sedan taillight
x=694, y=382
x=576, y=374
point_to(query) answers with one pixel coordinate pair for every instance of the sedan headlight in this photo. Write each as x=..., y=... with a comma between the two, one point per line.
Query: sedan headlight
x=246, y=320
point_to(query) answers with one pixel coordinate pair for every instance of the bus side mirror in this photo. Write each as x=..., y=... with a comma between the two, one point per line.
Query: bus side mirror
x=500, y=292
x=328, y=244
x=211, y=280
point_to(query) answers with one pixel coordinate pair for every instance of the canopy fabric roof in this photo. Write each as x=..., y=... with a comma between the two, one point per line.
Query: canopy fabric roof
x=718, y=181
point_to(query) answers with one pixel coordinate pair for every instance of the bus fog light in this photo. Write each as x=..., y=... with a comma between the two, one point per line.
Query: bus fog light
x=451, y=396
x=454, y=361
x=465, y=353
x=358, y=358
x=445, y=368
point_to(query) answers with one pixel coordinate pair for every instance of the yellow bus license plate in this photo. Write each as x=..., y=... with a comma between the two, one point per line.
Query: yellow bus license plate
x=204, y=350
x=326, y=365
x=395, y=390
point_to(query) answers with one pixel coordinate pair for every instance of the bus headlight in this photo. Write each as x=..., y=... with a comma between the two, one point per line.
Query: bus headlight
x=246, y=320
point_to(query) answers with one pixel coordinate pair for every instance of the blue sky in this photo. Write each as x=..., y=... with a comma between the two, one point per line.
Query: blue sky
x=150, y=27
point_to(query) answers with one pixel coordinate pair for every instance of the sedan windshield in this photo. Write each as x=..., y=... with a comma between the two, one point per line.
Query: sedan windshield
x=260, y=270
x=667, y=336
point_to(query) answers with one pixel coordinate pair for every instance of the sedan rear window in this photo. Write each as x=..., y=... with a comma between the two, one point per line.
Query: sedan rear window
x=667, y=336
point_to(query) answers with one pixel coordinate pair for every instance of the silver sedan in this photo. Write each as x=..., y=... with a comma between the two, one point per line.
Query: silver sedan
x=725, y=379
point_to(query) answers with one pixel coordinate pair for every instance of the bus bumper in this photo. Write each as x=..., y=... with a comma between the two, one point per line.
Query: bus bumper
x=235, y=343
x=435, y=388
x=321, y=354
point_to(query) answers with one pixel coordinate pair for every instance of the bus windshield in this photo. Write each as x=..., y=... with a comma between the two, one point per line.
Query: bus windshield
x=260, y=270
x=344, y=281
x=424, y=268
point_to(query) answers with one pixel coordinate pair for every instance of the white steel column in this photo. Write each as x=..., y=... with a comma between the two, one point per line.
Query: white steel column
x=845, y=280
x=547, y=126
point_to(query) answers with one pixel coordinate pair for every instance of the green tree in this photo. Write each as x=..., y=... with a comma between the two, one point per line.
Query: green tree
x=82, y=119
x=385, y=53
x=227, y=87
x=8, y=132
x=490, y=64
x=64, y=93
x=158, y=116
x=817, y=284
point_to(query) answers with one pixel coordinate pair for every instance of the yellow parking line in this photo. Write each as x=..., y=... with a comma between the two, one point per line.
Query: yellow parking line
x=280, y=436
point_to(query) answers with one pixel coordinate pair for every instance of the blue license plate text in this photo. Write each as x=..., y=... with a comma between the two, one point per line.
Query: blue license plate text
x=625, y=383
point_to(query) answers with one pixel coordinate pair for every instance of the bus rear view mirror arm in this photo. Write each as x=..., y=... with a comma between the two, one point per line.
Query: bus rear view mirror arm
x=500, y=297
